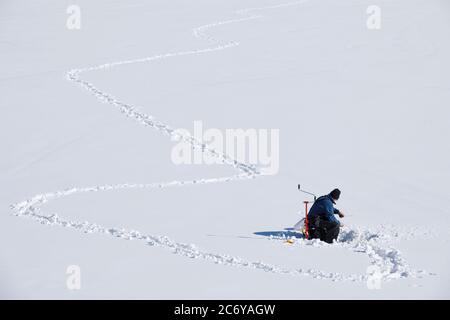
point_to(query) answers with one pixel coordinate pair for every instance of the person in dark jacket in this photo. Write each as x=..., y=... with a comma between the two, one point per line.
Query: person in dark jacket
x=323, y=224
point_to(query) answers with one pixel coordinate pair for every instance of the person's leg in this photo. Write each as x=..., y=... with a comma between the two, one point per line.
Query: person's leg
x=330, y=231
x=333, y=233
x=314, y=231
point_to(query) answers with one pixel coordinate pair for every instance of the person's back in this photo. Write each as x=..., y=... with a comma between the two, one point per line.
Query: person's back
x=323, y=208
x=323, y=224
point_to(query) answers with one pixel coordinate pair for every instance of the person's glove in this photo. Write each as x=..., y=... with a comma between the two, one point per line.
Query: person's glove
x=341, y=214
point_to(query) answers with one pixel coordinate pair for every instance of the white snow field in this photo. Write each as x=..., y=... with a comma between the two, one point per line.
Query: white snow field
x=88, y=122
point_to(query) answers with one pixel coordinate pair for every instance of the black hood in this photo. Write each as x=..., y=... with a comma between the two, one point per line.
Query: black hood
x=335, y=194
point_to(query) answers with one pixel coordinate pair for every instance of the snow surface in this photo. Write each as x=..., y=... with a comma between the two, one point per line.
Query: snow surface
x=361, y=109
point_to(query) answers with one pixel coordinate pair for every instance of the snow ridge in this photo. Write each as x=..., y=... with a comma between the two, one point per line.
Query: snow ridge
x=393, y=265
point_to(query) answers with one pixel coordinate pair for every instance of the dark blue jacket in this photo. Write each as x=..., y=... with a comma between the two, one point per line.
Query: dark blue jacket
x=323, y=207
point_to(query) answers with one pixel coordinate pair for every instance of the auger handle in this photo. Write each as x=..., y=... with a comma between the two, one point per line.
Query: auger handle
x=307, y=192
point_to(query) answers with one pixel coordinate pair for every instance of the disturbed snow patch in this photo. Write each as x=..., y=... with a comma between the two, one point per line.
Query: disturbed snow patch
x=377, y=245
